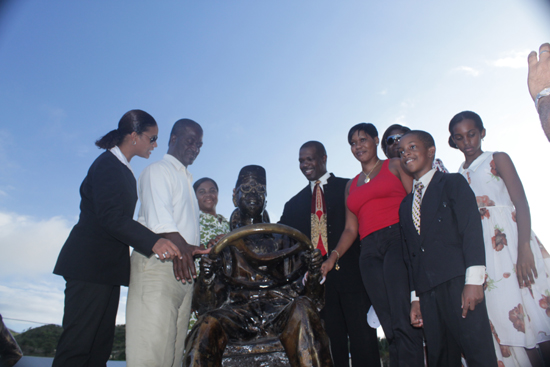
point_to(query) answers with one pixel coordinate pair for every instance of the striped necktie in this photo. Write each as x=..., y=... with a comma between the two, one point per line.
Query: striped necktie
x=416, y=205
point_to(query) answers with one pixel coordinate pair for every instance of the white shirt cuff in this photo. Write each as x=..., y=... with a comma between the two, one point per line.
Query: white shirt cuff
x=414, y=297
x=475, y=275
x=165, y=228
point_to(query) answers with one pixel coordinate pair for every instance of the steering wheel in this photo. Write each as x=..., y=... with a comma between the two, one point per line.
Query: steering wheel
x=266, y=263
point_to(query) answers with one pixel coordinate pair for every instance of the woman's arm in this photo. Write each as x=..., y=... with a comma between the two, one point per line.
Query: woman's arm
x=525, y=267
x=395, y=168
x=109, y=196
x=349, y=235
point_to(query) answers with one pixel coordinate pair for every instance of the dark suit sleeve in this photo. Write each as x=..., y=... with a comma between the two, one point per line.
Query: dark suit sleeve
x=114, y=206
x=406, y=255
x=468, y=221
x=285, y=218
x=297, y=212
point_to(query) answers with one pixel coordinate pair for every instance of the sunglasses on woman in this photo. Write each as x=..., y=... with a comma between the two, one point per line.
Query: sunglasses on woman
x=393, y=138
x=152, y=139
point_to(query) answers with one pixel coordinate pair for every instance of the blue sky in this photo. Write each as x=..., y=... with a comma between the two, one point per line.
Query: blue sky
x=261, y=77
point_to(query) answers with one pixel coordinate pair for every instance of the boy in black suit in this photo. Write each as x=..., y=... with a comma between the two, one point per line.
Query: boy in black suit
x=446, y=259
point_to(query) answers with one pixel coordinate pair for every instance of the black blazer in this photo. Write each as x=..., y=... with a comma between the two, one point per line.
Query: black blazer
x=451, y=237
x=297, y=214
x=97, y=248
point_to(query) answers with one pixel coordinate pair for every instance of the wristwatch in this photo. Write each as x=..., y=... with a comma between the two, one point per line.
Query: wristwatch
x=543, y=93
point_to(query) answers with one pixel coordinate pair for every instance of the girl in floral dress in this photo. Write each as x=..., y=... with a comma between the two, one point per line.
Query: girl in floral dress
x=517, y=284
x=212, y=225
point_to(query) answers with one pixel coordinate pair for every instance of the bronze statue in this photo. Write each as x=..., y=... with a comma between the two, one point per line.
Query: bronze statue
x=252, y=286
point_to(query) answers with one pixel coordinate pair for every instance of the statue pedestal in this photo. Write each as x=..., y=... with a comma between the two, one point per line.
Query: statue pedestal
x=263, y=352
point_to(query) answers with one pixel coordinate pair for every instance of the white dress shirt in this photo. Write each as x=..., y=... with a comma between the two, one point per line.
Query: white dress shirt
x=121, y=157
x=168, y=201
x=324, y=179
x=475, y=274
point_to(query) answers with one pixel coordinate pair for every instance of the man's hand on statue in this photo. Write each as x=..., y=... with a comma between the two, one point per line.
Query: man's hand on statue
x=538, y=76
x=185, y=269
x=178, y=269
x=214, y=240
x=184, y=266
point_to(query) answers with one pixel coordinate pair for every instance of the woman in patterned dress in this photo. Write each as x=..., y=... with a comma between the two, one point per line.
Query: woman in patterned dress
x=212, y=225
x=517, y=284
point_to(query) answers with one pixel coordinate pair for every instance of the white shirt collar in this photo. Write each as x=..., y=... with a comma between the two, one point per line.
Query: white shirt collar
x=426, y=179
x=476, y=163
x=177, y=164
x=324, y=179
x=121, y=157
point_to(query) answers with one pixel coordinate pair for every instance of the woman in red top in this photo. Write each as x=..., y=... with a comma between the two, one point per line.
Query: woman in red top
x=373, y=198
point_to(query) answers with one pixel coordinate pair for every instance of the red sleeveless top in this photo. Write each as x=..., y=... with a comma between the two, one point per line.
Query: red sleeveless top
x=376, y=203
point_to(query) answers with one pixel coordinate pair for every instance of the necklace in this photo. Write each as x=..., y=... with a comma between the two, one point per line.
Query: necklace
x=367, y=178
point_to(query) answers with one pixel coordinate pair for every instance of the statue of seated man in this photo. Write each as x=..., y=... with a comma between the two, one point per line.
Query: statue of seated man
x=231, y=312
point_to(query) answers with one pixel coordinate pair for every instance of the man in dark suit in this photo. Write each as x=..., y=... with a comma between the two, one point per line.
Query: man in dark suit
x=446, y=259
x=346, y=302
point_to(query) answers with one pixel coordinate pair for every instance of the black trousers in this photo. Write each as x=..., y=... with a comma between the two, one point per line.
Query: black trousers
x=448, y=334
x=88, y=324
x=385, y=278
x=345, y=315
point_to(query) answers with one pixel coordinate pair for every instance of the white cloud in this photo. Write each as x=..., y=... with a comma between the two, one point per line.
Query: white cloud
x=27, y=305
x=384, y=92
x=28, y=289
x=513, y=59
x=30, y=304
x=30, y=246
x=468, y=70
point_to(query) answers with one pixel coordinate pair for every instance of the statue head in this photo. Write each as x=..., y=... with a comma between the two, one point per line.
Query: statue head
x=250, y=193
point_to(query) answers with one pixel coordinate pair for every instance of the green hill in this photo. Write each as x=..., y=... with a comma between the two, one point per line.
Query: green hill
x=42, y=341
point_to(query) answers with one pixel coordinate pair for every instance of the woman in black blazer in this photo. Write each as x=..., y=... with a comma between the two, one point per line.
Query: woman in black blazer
x=95, y=259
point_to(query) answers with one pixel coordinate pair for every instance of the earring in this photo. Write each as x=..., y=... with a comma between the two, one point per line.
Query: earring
x=134, y=143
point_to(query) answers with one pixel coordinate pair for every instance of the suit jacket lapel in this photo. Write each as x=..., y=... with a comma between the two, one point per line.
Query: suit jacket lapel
x=407, y=221
x=430, y=203
x=327, y=190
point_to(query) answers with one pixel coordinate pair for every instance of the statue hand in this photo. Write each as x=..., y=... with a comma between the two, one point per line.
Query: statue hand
x=314, y=260
x=208, y=266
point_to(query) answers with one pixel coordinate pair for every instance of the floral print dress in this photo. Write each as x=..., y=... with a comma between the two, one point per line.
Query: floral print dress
x=210, y=227
x=519, y=317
